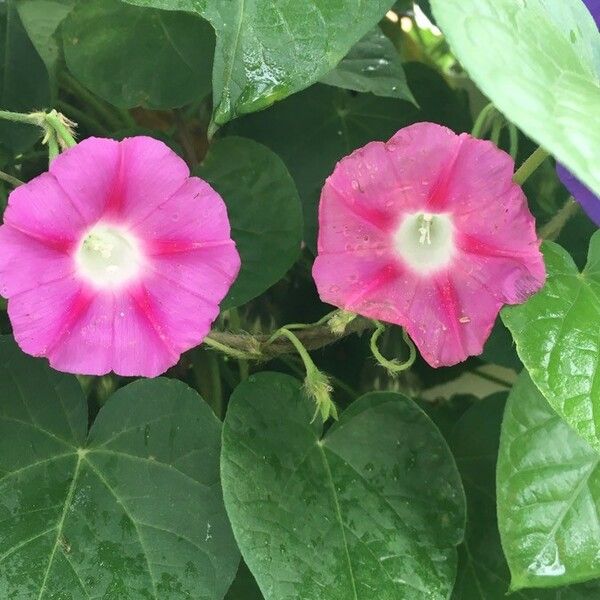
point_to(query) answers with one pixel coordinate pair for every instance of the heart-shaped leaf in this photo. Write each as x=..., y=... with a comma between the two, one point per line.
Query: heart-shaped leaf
x=134, y=512
x=374, y=509
x=268, y=50
x=557, y=333
x=264, y=211
x=372, y=65
x=133, y=56
x=41, y=19
x=539, y=62
x=548, y=483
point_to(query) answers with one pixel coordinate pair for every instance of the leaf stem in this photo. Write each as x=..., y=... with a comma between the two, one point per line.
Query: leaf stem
x=530, y=165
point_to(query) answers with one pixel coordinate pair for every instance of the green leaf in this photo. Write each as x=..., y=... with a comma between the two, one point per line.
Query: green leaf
x=374, y=509
x=24, y=83
x=314, y=129
x=268, y=50
x=558, y=341
x=548, y=495
x=372, y=65
x=264, y=211
x=482, y=570
x=134, y=512
x=539, y=62
x=134, y=56
x=41, y=19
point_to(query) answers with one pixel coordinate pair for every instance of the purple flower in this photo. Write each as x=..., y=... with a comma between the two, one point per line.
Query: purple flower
x=594, y=7
x=586, y=198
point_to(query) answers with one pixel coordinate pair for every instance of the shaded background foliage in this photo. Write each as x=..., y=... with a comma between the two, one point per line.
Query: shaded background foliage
x=113, y=488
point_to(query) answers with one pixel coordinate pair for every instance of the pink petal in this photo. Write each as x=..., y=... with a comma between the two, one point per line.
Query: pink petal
x=194, y=217
x=42, y=210
x=150, y=173
x=450, y=318
x=184, y=314
x=423, y=155
x=208, y=271
x=41, y=317
x=88, y=173
x=140, y=346
x=345, y=227
x=364, y=283
x=87, y=347
x=27, y=263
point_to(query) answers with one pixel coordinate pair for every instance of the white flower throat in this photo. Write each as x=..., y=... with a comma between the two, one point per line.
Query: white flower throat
x=108, y=256
x=425, y=241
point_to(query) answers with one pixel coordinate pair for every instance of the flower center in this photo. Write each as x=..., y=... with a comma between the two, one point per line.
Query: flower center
x=425, y=241
x=108, y=256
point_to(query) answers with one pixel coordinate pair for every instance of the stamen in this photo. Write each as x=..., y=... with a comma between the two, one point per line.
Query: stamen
x=109, y=256
x=425, y=229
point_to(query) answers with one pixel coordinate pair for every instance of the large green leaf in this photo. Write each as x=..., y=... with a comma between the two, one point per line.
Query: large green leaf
x=264, y=211
x=548, y=495
x=539, y=62
x=374, y=509
x=372, y=65
x=24, y=83
x=314, y=129
x=134, y=512
x=41, y=19
x=482, y=570
x=557, y=333
x=135, y=56
x=268, y=50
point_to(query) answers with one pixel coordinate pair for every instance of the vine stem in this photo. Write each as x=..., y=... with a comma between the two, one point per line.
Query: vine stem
x=36, y=118
x=243, y=346
x=530, y=165
x=10, y=179
x=551, y=230
x=393, y=366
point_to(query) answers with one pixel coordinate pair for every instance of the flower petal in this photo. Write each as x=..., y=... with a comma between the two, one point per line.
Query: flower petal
x=42, y=316
x=41, y=209
x=26, y=263
x=194, y=217
x=208, y=271
x=88, y=174
x=150, y=173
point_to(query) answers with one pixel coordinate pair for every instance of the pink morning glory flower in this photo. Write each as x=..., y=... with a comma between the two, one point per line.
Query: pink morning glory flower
x=428, y=231
x=116, y=259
